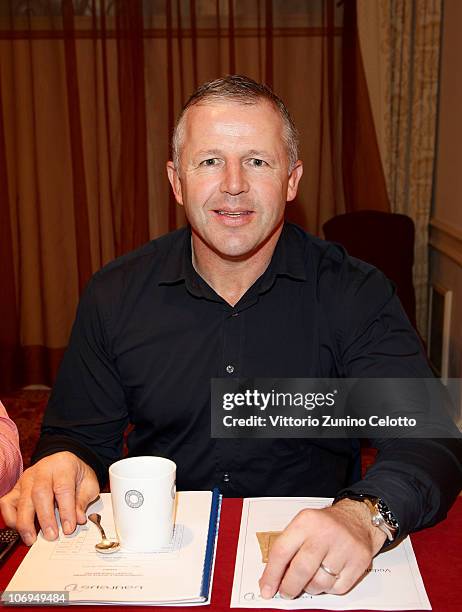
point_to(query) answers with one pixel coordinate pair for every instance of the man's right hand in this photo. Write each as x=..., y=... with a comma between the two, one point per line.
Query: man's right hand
x=62, y=478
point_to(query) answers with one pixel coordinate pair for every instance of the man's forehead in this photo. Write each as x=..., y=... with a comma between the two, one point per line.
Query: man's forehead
x=231, y=109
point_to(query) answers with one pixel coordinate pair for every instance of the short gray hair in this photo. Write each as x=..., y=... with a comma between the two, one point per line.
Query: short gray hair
x=242, y=90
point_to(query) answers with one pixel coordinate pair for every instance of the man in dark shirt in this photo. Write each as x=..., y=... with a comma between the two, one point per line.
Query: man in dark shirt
x=239, y=294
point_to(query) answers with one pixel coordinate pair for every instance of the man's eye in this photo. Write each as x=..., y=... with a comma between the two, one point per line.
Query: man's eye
x=258, y=163
x=209, y=162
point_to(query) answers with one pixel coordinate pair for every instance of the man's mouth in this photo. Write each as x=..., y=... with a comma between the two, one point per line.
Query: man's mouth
x=227, y=213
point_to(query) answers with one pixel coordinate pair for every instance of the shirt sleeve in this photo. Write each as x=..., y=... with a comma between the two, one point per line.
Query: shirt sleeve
x=418, y=479
x=10, y=455
x=87, y=412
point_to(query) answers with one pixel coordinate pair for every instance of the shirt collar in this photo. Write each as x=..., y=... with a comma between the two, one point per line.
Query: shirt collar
x=288, y=260
x=177, y=265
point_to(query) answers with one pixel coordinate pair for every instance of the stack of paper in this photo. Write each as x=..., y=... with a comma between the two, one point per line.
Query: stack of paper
x=177, y=575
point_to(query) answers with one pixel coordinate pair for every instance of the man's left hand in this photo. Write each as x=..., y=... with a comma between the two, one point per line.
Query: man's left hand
x=341, y=538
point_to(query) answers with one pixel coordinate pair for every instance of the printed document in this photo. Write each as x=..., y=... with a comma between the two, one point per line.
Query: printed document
x=392, y=583
x=174, y=575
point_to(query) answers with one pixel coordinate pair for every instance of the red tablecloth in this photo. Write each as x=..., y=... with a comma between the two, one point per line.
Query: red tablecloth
x=438, y=551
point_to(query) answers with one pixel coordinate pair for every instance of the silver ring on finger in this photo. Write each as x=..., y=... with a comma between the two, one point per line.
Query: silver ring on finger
x=329, y=571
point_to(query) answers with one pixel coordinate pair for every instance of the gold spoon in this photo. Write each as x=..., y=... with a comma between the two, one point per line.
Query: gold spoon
x=105, y=546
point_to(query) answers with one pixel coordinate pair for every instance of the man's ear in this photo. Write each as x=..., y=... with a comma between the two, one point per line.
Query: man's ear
x=294, y=179
x=175, y=182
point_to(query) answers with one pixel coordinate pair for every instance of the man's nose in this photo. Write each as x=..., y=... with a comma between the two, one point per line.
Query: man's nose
x=234, y=180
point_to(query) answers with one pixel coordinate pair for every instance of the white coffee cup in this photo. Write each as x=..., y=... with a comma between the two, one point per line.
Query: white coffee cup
x=143, y=502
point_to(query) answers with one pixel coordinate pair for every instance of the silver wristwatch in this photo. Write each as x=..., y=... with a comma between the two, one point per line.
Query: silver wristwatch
x=381, y=515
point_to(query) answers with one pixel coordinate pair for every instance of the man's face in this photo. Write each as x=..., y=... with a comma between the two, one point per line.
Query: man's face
x=233, y=179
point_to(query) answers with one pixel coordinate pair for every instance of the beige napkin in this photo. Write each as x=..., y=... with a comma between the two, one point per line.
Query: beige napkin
x=266, y=540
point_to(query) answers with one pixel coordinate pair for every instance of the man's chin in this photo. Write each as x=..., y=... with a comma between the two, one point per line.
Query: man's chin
x=238, y=252
x=241, y=250
x=232, y=248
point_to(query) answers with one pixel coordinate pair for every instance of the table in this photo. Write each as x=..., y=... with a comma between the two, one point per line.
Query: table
x=438, y=550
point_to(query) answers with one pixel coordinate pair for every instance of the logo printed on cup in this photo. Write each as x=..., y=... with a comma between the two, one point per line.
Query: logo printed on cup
x=134, y=499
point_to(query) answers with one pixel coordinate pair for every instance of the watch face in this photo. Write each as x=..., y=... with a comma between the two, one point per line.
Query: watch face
x=387, y=514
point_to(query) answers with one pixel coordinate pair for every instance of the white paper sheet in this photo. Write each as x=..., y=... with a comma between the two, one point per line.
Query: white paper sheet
x=394, y=582
x=71, y=563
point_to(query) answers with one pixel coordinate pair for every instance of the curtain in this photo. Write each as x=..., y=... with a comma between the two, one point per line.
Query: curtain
x=89, y=93
x=402, y=77
x=363, y=176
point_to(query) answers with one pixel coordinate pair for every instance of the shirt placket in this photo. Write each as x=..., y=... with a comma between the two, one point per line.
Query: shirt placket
x=230, y=367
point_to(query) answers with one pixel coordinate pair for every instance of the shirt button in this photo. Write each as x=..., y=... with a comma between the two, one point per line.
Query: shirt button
x=226, y=477
x=230, y=369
